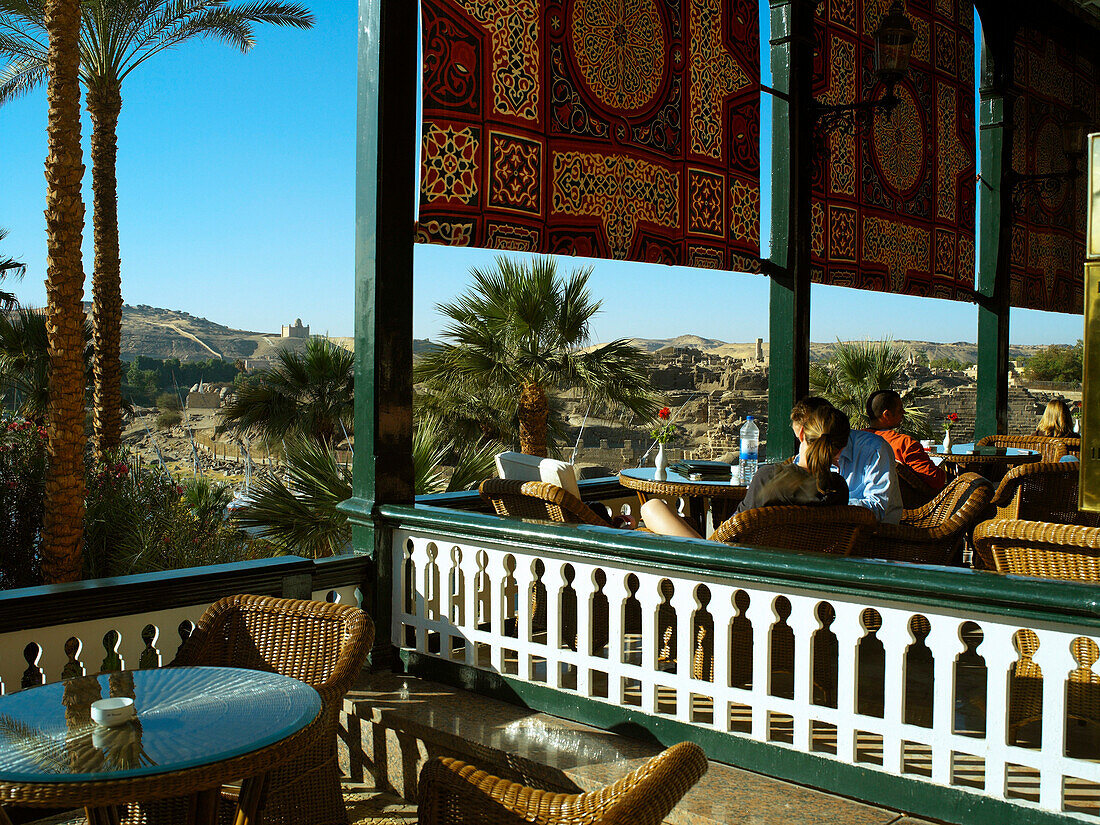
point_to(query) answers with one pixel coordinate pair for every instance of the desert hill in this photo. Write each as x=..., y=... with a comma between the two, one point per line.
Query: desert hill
x=961, y=350
x=169, y=333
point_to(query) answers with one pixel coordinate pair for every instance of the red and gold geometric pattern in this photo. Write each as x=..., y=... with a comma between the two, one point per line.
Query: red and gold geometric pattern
x=894, y=204
x=1052, y=76
x=624, y=129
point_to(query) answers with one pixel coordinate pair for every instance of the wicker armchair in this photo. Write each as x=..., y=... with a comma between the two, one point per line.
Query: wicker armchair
x=537, y=500
x=1042, y=491
x=822, y=529
x=915, y=491
x=454, y=793
x=934, y=533
x=1039, y=549
x=1051, y=448
x=1056, y=551
x=323, y=645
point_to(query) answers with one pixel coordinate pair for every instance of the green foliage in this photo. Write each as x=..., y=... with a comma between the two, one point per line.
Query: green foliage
x=1057, y=362
x=25, y=361
x=948, y=364
x=856, y=370
x=521, y=324
x=297, y=510
x=9, y=268
x=140, y=521
x=168, y=418
x=169, y=402
x=310, y=394
x=148, y=379
x=22, y=494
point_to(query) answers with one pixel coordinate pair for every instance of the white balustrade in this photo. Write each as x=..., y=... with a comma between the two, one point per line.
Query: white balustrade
x=863, y=689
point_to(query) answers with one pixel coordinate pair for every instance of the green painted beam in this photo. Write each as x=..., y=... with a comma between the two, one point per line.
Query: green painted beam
x=995, y=231
x=789, y=260
x=385, y=168
x=945, y=804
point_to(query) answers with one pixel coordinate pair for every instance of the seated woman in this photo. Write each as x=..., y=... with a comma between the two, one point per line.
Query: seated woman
x=1057, y=420
x=810, y=479
x=885, y=411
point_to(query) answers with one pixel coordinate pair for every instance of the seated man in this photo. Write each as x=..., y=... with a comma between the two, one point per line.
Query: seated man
x=885, y=411
x=866, y=465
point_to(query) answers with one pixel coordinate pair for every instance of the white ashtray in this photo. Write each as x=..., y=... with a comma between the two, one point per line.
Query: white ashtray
x=114, y=711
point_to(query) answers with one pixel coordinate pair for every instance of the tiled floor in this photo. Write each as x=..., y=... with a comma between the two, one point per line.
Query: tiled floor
x=367, y=806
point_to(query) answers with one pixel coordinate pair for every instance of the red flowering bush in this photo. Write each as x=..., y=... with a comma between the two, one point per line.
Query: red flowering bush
x=22, y=493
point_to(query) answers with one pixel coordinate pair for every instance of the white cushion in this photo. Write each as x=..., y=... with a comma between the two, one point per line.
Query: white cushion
x=561, y=474
x=518, y=466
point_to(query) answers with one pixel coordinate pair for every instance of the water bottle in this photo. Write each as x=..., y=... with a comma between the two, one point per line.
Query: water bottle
x=750, y=450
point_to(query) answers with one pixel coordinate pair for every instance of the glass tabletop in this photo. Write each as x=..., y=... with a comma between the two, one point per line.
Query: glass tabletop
x=186, y=717
x=671, y=476
x=989, y=452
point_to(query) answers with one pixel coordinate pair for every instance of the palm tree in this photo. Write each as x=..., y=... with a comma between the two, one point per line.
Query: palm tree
x=859, y=368
x=25, y=361
x=299, y=514
x=520, y=331
x=310, y=393
x=9, y=268
x=117, y=36
x=63, y=520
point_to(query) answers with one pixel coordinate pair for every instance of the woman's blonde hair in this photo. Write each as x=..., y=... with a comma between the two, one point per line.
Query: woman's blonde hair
x=825, y=432
x=1057, y=420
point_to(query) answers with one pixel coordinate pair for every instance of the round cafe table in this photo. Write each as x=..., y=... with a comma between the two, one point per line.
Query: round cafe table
x=196, y=729
x=991, y=462
x=708, y=496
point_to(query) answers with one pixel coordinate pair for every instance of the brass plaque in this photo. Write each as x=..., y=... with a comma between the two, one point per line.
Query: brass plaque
x=1090, y=394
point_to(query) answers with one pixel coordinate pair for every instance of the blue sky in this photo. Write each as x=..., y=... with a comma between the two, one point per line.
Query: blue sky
x=236, y=182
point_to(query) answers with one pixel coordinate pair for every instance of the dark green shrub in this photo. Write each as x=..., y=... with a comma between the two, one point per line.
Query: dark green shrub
x=169, y=401
x=169, y=418
x=22, y=492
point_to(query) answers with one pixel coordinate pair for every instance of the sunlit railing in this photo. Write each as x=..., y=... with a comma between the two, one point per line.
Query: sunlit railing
x=60, y=631
x=972, y=684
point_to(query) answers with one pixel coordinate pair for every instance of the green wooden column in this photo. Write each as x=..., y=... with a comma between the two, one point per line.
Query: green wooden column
x=789, y=262
x=386, y=154
x=995, y=231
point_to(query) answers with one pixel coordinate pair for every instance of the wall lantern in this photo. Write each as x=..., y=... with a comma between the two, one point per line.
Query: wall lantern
x=1075, y=131
x=894, y=40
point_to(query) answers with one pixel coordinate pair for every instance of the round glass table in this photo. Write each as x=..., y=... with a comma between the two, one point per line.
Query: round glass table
x=709, y=499
x=195, y=729
x=991, y=462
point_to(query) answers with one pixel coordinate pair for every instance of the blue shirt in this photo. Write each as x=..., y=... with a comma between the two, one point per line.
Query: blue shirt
x=867, y=465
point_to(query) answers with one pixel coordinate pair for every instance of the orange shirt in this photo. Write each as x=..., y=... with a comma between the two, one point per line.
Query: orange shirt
x=907, y=450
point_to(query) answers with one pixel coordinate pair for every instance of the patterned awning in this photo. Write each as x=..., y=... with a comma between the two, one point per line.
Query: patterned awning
x=894, y=205
x=1053, y=75
x=625, y=129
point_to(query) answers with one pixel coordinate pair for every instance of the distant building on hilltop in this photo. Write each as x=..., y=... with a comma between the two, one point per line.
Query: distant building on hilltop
x=296, y=331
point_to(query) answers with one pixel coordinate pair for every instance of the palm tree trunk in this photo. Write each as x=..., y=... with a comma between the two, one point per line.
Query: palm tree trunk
x=104, y=103
x=63, y=522
x=533, y=409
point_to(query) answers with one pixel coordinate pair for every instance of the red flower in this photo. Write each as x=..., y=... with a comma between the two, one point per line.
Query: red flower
x=11, y=485
x=953, y=417
x=664, y=413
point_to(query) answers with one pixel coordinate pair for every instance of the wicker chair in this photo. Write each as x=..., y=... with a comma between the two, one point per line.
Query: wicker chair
x=1051, y=448
x=454, y=793
x=1056, y=551
x=934, y=533
x=537, y=500
x=915, y=491
x=1042, y=491
x=323, y=645
x=1039, y=549
x=822, y=529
